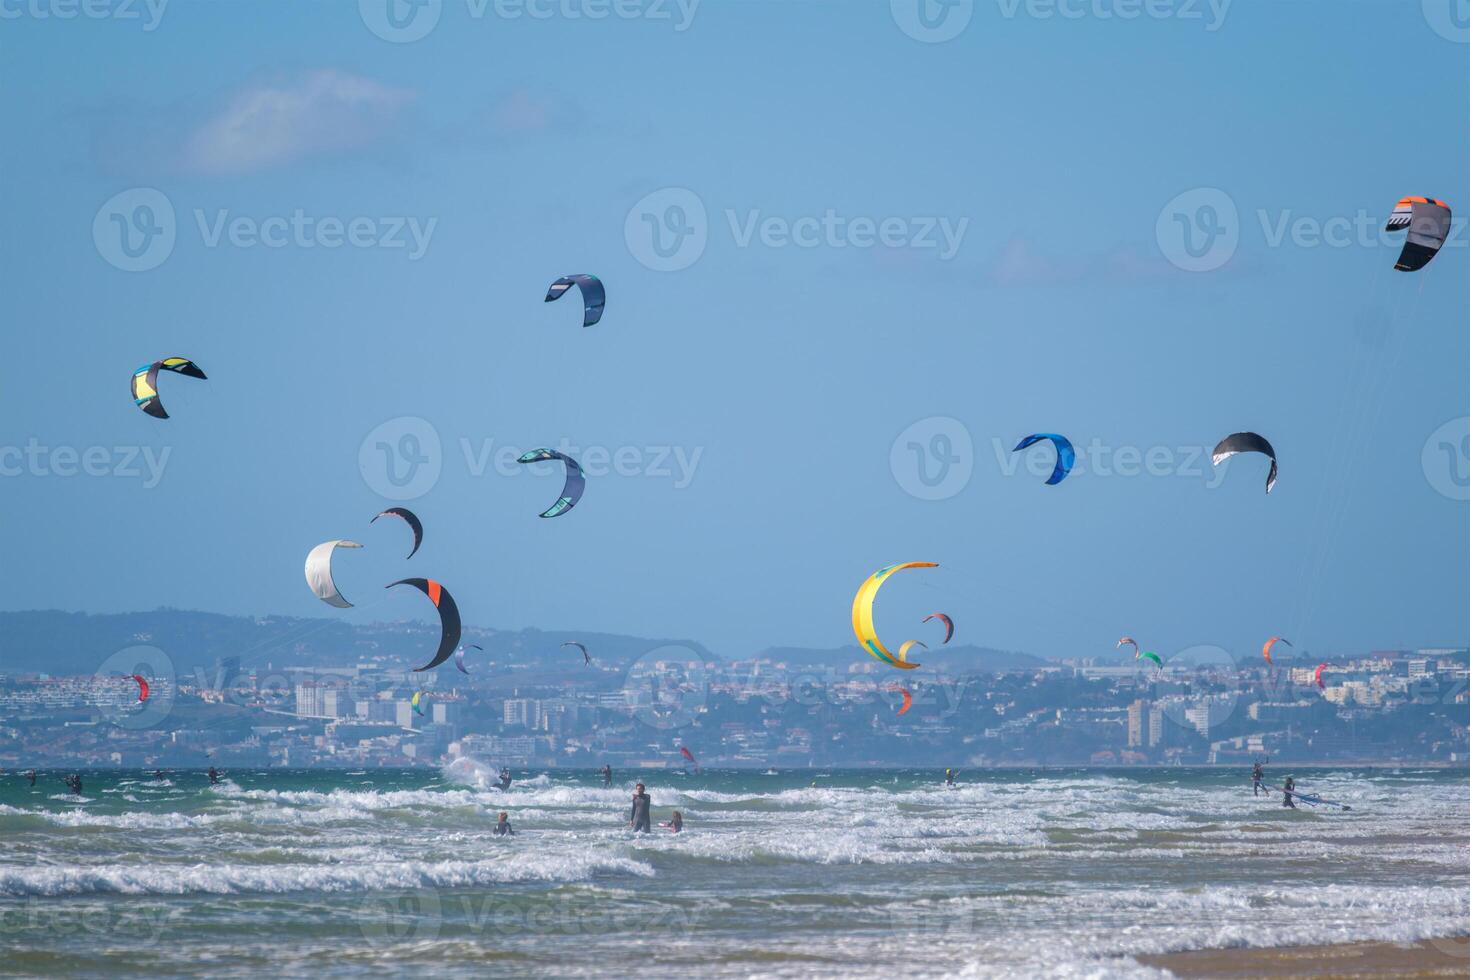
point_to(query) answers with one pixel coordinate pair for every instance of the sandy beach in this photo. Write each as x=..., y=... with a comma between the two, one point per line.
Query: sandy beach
x=1427, y=958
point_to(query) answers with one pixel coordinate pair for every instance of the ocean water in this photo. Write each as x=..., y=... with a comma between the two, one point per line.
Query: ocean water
x=795, y=873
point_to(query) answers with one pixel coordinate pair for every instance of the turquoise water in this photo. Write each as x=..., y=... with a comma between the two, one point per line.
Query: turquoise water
x=1066, y=872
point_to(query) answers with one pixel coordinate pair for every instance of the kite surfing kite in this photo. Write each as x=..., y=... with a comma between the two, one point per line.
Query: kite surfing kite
x=586, y=657
x=409, y=518
x=459, y=656
x=689, y=758
x=448, y=617
x=418, y=708
x=1266, y=650
x=1131, y=642
x=145, y=382
x=1246, y=442
x=862, y=613
x=142, y=687
x=1066, y=456
x=1150, y=655
x=1428, y=222
x=1317, y=676
x=948, y=625
x=908, y=700
x=905, y=647
x=594, y=297
x=571, y=491
x=319, y=572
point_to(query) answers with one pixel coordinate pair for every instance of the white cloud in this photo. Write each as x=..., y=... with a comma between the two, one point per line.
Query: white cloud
x=317, y=113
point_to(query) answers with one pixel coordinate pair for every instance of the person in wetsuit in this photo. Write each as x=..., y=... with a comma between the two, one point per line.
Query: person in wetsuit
x=638, y=817
x=1256, y=776
x=504, y=779
x=1288, y=798
x=949, y=777
x=606, y=775
x=214, y=776
x=31, y=775
x=158, y=774
x=74, y=783
x=502, y=829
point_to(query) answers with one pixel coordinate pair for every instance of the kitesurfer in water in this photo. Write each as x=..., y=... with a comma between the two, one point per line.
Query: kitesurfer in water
x=158, y=774
x=504, y=779
x=214, y=776
x=1289, y=792
x=502, y=829
x=949, y=777
x=74, y=783
x=638, y=817
x=31, y=775
x=1256, y=776
x=606, y=775
x=675, y=823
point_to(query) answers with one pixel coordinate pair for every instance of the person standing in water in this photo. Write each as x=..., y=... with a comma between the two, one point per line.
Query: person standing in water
x=74, y=783
x=949, y=777
x=502, y=829
x=31, y=775
x=214, y=776
x=504, y=779
x=675, y=823
x=606, y=775
x=638, y=817
x=1289, y=791
x=1256, y=776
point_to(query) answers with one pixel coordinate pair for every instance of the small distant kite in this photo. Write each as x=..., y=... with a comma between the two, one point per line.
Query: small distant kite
x=1246, y=442
x=145, y=382
x=142, y=687
x=905, y=647
x=1150, y=655
x=594, y=297
x=418, y=707
x=1428, y=222
x=409, y=518
x=571, y=491
x=1131, y=642
x=908, y=700
x=1317, y=676
x=1066, y=456
x=1266, y=649
x=948, y=624
x=319, y=573
x=459, y=656
x=586, y=657
x=448, y=617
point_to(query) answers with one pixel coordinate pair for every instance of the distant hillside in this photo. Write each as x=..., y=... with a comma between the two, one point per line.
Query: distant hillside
x=955, y=657
x=56, y=642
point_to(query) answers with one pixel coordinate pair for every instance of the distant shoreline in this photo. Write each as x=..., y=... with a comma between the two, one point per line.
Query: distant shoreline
x=1446, y=956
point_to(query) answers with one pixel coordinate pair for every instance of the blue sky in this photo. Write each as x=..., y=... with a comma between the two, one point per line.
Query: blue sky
x=755, y=393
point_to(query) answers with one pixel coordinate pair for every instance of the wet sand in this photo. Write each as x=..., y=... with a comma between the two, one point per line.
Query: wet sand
x=1428, y=958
